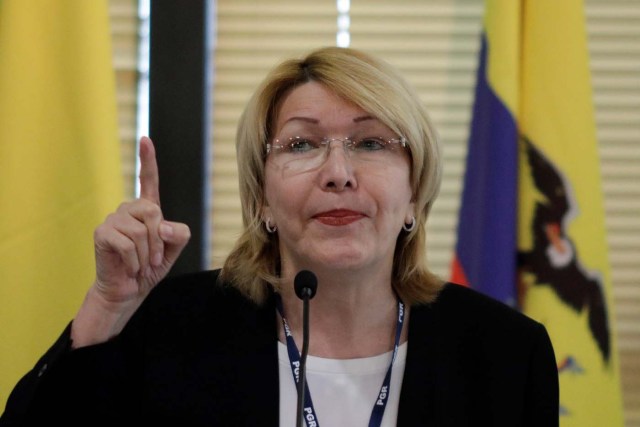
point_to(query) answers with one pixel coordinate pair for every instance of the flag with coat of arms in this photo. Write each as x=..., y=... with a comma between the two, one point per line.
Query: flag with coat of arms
x=531, y=228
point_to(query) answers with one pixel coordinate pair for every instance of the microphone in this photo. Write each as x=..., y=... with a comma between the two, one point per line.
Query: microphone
x=305, y=285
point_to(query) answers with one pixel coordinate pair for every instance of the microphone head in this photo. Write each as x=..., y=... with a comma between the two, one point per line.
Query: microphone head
x=305, y=284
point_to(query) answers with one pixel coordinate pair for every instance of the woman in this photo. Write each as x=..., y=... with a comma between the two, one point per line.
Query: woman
x=339, y=167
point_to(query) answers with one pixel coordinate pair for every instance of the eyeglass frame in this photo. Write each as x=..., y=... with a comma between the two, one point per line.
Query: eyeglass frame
x=347, y=143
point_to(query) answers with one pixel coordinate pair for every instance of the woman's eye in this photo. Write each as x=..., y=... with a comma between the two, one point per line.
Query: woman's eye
x=301, y=145
x=370, y=144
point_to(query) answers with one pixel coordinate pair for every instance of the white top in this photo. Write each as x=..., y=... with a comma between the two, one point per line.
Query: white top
x=343, y=390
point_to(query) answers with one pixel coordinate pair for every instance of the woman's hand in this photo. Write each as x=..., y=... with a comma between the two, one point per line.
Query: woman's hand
x=135, y=248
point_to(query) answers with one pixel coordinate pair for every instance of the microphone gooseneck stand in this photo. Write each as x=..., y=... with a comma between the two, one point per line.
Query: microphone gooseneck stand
x=305, y=284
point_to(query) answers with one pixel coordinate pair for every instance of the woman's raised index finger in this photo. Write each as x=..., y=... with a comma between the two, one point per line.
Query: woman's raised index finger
x=149, y=179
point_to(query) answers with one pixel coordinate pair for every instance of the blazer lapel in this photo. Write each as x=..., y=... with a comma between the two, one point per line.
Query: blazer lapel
x=256, y=384
x=417, y=395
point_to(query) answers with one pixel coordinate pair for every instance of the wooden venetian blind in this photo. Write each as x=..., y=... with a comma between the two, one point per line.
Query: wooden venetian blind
x=251, y=38
x=124, y=40
x=614, y=41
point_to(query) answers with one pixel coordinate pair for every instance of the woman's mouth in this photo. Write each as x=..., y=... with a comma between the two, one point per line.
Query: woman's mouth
x=338, y=217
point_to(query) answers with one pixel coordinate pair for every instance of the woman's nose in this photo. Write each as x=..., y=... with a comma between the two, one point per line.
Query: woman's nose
x=337, y=172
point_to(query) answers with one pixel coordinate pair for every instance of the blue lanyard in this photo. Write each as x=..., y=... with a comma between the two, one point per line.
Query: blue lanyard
x=310, y=417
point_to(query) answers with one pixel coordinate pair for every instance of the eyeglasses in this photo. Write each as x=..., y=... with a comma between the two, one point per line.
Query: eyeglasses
x=301, y=153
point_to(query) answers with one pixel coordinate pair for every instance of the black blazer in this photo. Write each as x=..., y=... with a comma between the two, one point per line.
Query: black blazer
x=199, y=353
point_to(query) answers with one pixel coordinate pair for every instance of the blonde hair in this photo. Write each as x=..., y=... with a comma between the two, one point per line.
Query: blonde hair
x=377, y=88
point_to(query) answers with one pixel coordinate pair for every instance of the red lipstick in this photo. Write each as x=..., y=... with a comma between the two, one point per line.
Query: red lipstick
x=338, y=217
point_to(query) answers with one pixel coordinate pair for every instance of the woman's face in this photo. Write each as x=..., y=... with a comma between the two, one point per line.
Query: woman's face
x=341, y=210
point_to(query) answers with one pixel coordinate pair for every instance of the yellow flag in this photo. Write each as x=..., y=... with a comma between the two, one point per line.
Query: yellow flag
x=60, y=171
x=566, y=280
